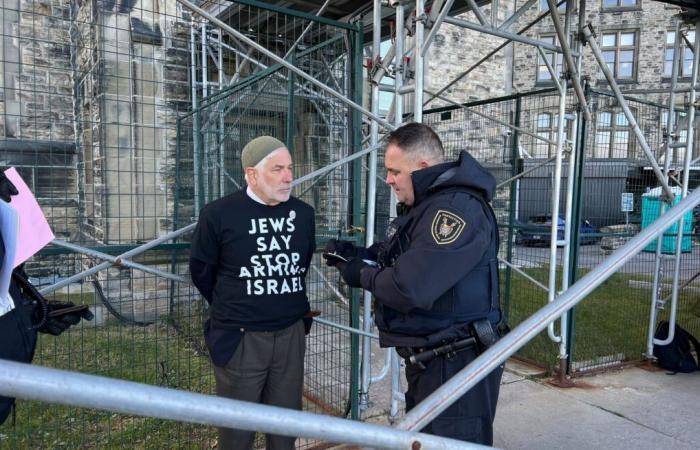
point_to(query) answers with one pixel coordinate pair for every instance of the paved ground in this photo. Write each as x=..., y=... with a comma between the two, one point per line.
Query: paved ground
x=625, y=409
x=633, y=409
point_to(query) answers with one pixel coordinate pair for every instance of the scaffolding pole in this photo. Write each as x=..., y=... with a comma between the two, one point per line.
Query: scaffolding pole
x=569, y=56
x=671, y=138
x=441, y=399
x=588, y=34
x=249, y=42
x=127, y=397
x=399, y=72
x=684, y=191
x=371, y=206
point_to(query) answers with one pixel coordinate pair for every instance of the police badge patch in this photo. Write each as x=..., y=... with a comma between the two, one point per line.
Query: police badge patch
x=446, y=227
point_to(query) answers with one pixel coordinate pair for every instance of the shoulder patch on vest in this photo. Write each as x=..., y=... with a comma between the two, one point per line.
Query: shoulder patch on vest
x=447, y=227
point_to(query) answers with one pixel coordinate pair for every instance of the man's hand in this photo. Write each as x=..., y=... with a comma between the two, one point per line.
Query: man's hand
x=63, y=315
x=345, y=249
x=7, y=189
x=351, y=271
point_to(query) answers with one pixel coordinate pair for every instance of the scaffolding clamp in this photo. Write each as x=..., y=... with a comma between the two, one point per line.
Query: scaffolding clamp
x=409, y=73
x=593, y=33
x=413, y=19
x=355, y=229
x=373, y=67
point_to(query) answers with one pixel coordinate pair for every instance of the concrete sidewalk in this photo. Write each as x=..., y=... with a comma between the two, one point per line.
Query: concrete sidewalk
x=631, y=408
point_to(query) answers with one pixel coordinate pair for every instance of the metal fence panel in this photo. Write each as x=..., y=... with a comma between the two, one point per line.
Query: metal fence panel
x=610, y=327
x=96, y=102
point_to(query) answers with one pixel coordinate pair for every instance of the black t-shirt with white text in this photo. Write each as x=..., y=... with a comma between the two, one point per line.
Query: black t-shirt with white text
x=261, y=255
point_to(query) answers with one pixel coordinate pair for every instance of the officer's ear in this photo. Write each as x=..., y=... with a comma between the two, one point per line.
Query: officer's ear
x=424, y=163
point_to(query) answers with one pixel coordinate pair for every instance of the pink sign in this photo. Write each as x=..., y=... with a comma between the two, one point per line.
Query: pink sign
x=34, y=230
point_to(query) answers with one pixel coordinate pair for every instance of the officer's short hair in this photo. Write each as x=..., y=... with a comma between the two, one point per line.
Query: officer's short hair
x=419, y=141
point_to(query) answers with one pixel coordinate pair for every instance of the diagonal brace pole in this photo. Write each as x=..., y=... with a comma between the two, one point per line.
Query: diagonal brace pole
x=133, y=252
x=423, y=413
x=588, y=34
x=284, y=63
x=120, y=262
x=436, y=26
x=571, y=65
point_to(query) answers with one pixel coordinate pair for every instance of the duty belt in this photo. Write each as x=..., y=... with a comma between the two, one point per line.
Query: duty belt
x=483, y=336
x=420, y=356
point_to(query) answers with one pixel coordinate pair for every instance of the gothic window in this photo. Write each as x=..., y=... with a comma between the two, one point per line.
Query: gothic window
x=613, y=136
x=686, y=68
x=555, y=60
x=620, y=4
x=620, y=53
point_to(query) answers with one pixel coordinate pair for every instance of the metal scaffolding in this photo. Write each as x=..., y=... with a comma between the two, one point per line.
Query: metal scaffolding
x=403, y=64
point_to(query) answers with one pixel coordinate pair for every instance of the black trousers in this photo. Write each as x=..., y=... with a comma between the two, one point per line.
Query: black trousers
x=471, y=417
x=267, y=367
x=17, y=340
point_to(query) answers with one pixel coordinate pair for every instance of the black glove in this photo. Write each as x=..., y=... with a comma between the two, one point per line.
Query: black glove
x=347, y=250
x=351, y=271
x=62, y=315
x=7, y=189
x=336, y=250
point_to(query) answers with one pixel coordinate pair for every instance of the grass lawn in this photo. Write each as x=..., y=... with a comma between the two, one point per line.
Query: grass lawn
x=154, y=355
x=612, y=321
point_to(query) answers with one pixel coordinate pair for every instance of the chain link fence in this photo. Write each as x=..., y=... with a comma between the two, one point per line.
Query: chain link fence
x=125, y=118
x=610, y=327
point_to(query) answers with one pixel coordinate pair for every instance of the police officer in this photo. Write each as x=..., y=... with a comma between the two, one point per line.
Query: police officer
x=436, y=282
x=28, y=312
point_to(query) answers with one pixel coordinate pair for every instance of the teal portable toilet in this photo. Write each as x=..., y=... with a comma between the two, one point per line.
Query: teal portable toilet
x=651, y=209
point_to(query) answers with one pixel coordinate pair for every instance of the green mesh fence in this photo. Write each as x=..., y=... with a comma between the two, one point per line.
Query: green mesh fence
x=96, y=114
x=610, y=326
x=317, y=129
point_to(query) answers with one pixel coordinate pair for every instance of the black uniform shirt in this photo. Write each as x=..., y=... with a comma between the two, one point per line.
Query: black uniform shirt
x=433, y=261
x=442, y=269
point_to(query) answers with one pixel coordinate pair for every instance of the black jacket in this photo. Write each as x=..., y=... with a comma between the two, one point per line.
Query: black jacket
x=17, y=334
x=439, y=271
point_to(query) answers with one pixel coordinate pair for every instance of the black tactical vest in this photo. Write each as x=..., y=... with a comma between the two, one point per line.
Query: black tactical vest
x=476, y=296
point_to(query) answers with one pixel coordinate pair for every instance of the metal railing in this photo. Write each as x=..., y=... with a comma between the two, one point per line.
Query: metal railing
x=41, y=383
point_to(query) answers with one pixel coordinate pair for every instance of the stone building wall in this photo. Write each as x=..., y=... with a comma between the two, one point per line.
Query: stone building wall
x=455, y=49
x=136, y=65
x=36, y=105
x=37, y=81
x=651, y=22
x=90, y=94
x=134, y=68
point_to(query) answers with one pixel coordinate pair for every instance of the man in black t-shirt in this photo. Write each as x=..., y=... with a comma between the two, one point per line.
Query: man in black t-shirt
x=250, y=255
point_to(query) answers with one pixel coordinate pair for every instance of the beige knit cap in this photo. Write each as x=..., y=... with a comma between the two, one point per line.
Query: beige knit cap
x=257, y=149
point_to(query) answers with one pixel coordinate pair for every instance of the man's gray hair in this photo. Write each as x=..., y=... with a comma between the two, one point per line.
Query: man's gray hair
x=418, y=141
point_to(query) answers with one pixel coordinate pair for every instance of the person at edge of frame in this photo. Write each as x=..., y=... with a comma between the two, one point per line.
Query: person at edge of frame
x=250, y=254
x=27, y=313
x=435, y=281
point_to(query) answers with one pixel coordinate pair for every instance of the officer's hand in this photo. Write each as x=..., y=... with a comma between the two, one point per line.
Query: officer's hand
x=62, y=315
x=351, y=271
x=344, y=249
x=7, y=189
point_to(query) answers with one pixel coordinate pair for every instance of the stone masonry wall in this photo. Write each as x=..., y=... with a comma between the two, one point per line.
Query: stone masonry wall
x=456, y=49
x=36, y=105
x=134, y=68
x=651, y=22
